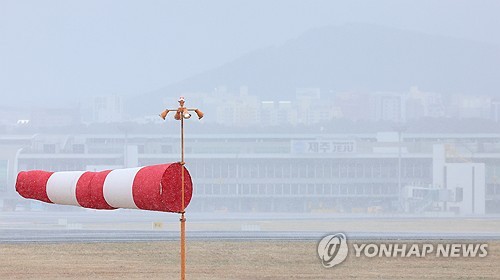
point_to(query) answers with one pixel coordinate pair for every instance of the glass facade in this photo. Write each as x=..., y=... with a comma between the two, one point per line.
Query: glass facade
x=278, y=172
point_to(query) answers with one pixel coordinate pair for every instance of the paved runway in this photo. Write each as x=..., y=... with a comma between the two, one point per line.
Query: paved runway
x=129, y=226
x=61, y=236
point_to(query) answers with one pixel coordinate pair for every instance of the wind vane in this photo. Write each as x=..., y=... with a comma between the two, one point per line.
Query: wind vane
x=182, y=113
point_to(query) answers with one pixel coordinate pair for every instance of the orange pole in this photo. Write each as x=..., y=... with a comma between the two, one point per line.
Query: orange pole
x=183, y=247
x=183, y=218
x=182, y=164
x=179, y=115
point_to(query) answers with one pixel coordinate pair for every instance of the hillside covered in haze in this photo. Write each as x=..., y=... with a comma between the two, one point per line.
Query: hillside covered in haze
x=360, y=57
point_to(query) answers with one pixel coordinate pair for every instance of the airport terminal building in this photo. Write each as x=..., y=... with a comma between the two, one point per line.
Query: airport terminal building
x=335, y=173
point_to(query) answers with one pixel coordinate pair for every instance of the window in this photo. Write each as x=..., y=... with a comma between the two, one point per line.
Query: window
x=295, y=170
x=393, y=170
x=368, y=170
x=270, y=189
x=328, y=170
x=302, y=189
x=49, y=148
x=327, y=189
x=254, y=189
x=261, y=168
x=232, y=171
x=359, y=170
x=320, y=168
x=335, y=189
x=269, y=170
x=279, y=189
x=359, y=190
x=254, y=170
x=385, y=189
x=224, y=189
x=3, y=174
x=216, y=189
x=286, y=170
x=343, y=189
x=384, y=170
x=310, y=189
x=245, y=189
x=278, y=170
x=262, y=189
x=232, y=189
x=140, y=149
x=208, y=189
x=244, y=171
x=368, y=189
x=208, y=171
x=286, y=189
x=343, y=171
x=78, y=148
x=224, y=170
x=351, y=169
x=310, y=170
x=166, y=149
x=351, y=189
x=376, y=170
x=217, y=170
x=319, y=190
x=302, y=171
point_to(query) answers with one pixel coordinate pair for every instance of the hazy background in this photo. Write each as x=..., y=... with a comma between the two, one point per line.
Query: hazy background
x=54, y=53
x=323, y=109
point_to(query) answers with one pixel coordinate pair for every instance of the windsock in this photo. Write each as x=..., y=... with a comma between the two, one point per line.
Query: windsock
x=155, y=188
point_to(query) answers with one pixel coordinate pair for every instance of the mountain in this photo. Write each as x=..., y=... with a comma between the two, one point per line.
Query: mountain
x=353, y=57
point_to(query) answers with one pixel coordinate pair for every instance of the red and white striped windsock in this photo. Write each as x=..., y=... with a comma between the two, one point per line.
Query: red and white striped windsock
x=156, y=188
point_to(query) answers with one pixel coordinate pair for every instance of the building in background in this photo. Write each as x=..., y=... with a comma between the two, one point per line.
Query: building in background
x=351, y=106
x=420, y=104
x=388, y=106
x=309, y=107
x=495, y=110
x=354, y=173
x=103, y=109
x=470, y=107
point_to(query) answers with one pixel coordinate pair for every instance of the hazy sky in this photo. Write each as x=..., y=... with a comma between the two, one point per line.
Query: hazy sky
x=58, y=51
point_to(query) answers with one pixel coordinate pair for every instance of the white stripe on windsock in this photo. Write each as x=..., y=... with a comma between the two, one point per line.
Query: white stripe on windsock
x=117, y=188
x=61, y=187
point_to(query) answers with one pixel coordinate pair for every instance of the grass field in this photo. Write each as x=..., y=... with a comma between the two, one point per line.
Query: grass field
x=225, y=260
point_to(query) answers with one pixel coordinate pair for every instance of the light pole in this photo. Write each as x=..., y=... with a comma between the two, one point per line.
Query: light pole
x=182, y=113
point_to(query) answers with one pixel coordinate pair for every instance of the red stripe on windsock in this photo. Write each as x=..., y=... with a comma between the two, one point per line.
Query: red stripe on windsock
x=89, y=193
x=146, y=187
x=157, y=188
x=33, y=184
x=83, y=194
x=171, y=182
x=96, y=188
